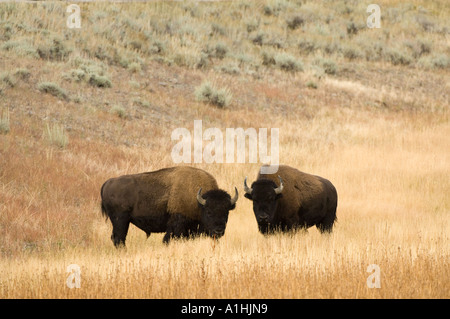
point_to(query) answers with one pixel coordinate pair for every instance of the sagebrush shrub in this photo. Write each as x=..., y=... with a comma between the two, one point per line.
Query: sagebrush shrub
x=208, y=93
x=53, y=89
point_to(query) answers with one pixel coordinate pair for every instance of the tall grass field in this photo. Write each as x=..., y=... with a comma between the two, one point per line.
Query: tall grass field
x=366, y=108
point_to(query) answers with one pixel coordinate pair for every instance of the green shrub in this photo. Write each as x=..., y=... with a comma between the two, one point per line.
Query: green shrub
x=258, y=39
x=307, y=46
x=295, y=22
x=251, y=25
x=104, y=54
x=352, y=29
x=134, y=84
x=268, y=58
x=373, y=51
x=206, y=92
x=269, y=10
x=139, y=102
x=203, y=62
x=218, y=29
x=352, y=53
x=273, y=8
x=243, y=58
x=76, y=75
x=425, y=23
x=219, y=50
x=134, y=67
x=186, y=60
x=22, y=73
x=419, y=48
x=331, y=47
x=8, y=79
x=119, y=110
x=397, y=57
x=287, y=62
x=53, y=50
x=311, y=84
x=20, y=48
x=276, y=40
x=230, y=68
x=53, y=89
x=100, y=81
x=89, y=71
x=157, y=47
x=328, y=66
x=135, y=44
x=441, y=61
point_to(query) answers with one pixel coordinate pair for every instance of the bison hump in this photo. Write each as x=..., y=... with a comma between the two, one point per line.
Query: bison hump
x=186, y=182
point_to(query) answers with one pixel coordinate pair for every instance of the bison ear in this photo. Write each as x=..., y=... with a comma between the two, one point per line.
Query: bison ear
x=249, y=196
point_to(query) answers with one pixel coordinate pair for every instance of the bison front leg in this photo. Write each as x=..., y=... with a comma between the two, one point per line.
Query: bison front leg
x=120, y=230
x=178, y=226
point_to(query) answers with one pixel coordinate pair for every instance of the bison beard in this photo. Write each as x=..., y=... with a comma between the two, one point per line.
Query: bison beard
x=300, y=201
x=168, y=200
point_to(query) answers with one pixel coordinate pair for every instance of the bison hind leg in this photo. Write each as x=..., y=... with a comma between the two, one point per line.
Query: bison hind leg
x=325, y=226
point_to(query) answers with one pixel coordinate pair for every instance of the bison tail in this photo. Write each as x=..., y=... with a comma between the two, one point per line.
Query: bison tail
x=104, y=213
x=102, y=205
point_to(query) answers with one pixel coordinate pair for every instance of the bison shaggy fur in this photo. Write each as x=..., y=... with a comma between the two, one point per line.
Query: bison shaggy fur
x=180, y=201
x=291, y=199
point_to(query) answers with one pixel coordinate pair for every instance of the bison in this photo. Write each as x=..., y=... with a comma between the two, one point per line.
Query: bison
x=180, y=201
x=300, y=200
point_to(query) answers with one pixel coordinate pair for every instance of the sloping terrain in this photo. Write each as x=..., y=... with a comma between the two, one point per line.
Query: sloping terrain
x=366, y=108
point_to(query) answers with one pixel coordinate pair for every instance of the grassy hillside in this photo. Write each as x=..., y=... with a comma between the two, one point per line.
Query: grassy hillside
x=366, y=108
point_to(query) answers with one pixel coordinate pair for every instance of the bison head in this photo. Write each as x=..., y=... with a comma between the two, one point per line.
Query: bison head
x=265, y=194
x=215, y=206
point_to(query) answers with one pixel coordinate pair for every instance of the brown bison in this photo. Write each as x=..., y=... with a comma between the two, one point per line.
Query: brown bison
x=180, y=201
x=299, y=201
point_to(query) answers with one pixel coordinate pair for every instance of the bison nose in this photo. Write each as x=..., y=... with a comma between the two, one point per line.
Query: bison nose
x=219, y=232
x=263, y=218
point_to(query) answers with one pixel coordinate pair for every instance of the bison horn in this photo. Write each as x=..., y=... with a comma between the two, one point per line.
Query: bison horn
x=279, y=189
x=236, y=196
x=200, y=199
x=247, y=189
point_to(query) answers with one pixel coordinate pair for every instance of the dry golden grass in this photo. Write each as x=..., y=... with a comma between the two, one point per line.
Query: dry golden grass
x=382, y=138
x=393, y=211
